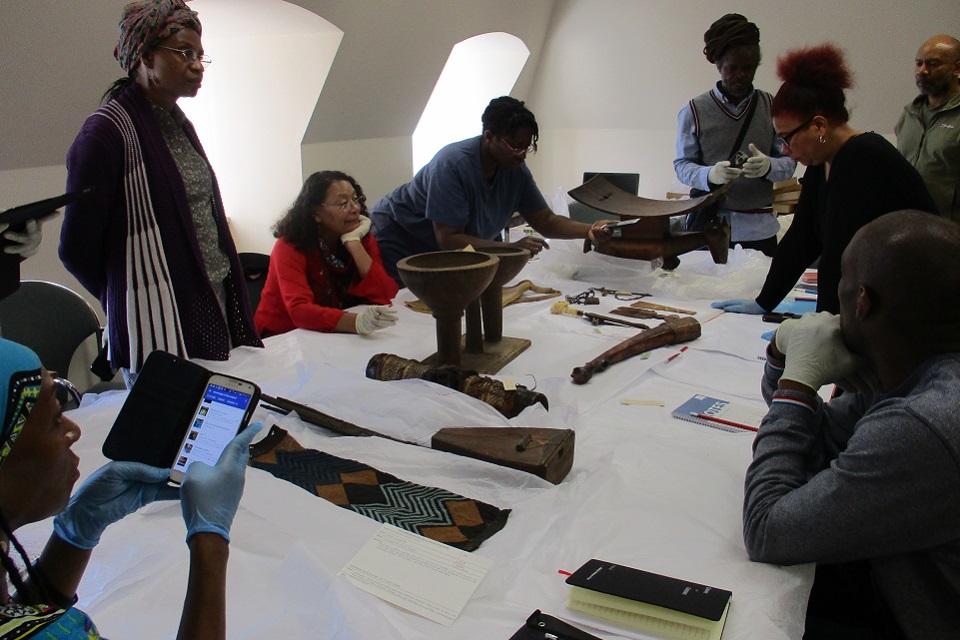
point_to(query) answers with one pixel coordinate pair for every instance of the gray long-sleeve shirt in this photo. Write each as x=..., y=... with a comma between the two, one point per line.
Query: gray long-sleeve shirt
x=872, y=478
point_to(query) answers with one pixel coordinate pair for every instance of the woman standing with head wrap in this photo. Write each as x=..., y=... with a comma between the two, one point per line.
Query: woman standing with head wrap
x=709, y=126
x=152, y=243
x=852, y=177
x=37, y=472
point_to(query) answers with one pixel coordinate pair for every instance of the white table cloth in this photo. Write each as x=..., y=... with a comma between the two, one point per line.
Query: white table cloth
x=646, y=490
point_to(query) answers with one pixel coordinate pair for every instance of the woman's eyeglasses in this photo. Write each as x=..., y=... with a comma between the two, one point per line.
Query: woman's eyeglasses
x=190, y=55
x=532, y=149
x=346, y=204
x=785, y=138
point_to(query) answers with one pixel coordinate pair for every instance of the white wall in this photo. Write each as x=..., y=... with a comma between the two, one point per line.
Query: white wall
x=378, y=164
x=270, y=60
x=614, y=73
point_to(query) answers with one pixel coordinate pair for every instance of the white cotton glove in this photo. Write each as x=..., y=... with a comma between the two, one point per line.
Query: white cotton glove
x=24, y=244
x=358, y=233
x=756, y=166
x=722, y=173
x=374, y=318
x=815, y=352
x=739, y=305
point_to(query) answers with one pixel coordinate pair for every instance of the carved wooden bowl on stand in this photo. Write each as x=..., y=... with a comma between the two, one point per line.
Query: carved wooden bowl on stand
x=486, y=350
x=447, y=281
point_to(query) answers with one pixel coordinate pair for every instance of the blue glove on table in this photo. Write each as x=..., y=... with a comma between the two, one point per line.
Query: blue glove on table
x=209, y=496
x=115, y=490
x=739, y=305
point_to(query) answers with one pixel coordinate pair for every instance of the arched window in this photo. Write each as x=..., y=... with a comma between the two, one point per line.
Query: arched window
x=270, y=61
x=479, y=69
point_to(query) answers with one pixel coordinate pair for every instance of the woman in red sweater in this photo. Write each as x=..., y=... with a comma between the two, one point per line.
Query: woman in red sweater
x=324, y=261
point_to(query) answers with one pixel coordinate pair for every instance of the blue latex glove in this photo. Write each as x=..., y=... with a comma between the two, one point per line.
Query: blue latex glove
x=739, y=305
x=115, y=490
x=209, y=496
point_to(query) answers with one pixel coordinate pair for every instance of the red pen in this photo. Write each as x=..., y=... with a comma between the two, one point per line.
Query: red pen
x=704, y=416
x=676, y=355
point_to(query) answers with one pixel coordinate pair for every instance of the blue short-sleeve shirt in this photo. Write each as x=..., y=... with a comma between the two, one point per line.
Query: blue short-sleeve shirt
x=452, y=190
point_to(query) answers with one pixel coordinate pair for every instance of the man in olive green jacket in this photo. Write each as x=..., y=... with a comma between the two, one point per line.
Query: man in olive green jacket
x=928, y=133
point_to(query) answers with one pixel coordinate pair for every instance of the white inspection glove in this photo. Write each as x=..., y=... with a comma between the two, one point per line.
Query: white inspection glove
x=815, y=352
x=722, y=173
x=27, y=243
x=358, y=233
x=374, y=318
x=782, y=337
x=756, y=166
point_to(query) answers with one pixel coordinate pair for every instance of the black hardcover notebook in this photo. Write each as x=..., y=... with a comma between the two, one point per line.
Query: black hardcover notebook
x=40, y=208
x=652, y=588
x=15, y=217
x=665, y=606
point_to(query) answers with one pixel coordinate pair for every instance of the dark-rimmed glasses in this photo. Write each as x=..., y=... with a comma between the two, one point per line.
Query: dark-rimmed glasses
x=532, y=149
x=189, y=55
x=345, y=205
x=785, y=138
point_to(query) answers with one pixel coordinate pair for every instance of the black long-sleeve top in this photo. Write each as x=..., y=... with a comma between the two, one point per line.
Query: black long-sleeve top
x=868, y=178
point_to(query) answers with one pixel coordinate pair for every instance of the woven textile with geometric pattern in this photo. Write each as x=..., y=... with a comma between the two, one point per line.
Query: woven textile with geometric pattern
x=434, y=513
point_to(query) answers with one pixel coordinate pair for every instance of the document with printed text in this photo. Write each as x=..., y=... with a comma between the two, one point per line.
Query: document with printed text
x=423, y=576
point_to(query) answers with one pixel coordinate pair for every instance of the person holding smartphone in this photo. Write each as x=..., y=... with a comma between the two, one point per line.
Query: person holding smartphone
x=37, y=473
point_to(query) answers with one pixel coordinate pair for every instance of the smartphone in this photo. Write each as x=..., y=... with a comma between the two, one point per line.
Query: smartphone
x=739, y=159
x=223, y=411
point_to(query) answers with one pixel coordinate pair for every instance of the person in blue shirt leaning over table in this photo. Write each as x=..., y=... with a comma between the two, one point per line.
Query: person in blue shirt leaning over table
x=468, y=192
x=37, y=474
x=711, y=123
x=852, y=177
x=866, y=485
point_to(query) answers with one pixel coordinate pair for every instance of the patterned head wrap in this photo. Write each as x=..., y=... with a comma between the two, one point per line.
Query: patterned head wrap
x=146, y=23
x=732, y=30
x=19, y=388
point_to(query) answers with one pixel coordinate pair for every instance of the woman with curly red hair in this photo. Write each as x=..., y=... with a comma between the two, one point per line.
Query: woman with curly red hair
x=852, y=177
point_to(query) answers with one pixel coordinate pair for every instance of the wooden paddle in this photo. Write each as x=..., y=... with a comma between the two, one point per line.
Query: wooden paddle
x=544, y=452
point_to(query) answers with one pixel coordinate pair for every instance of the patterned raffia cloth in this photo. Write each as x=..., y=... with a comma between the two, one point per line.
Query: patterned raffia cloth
x=434, y=513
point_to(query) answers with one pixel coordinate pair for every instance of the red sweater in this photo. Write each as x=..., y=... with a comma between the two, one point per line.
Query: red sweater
x=304, y=291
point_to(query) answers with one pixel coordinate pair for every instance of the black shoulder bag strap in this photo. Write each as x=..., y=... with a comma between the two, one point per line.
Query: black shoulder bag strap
x=744, y=127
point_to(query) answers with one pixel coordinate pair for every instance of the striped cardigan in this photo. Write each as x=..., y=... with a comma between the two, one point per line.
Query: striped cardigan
x=134, y=246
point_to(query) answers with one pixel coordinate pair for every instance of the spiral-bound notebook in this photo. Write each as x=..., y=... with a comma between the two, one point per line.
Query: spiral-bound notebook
x=720, y=414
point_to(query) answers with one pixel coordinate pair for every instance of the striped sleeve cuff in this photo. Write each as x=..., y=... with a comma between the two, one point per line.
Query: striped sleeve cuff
x=772, y=360
x=785, y=398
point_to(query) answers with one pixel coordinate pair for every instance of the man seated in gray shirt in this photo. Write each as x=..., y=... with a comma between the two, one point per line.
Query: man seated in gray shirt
x=867, y=485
